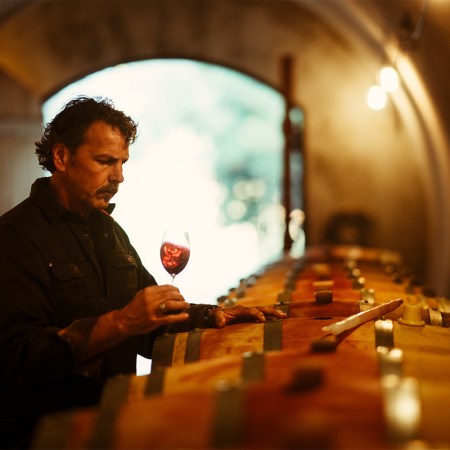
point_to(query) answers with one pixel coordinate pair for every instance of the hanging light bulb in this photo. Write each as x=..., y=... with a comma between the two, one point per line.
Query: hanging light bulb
x=376, y=98
x=389, y=80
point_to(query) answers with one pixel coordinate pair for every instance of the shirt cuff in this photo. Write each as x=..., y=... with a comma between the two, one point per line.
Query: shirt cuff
x=77, y=336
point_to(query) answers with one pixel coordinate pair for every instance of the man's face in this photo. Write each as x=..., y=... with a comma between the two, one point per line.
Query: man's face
x=92, y=175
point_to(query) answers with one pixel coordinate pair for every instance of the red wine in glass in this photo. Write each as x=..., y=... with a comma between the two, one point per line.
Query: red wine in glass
x=175, y=252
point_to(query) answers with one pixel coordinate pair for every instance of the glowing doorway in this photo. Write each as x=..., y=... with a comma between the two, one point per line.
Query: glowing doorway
x=208, y=155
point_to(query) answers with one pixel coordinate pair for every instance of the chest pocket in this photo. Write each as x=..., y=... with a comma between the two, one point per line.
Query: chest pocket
x=121, y=274
x=74, y=293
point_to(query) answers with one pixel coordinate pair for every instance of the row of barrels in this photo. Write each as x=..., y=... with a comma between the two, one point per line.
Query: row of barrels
x=287, y=383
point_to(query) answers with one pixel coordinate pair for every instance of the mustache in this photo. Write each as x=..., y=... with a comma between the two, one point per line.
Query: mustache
x=108, y=189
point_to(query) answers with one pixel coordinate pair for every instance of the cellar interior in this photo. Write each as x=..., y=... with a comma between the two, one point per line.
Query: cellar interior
x=375, y=191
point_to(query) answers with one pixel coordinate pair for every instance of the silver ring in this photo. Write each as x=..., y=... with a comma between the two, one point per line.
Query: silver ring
x=162, y=306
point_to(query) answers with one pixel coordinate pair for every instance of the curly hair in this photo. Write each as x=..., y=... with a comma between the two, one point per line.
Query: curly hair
x=70, y=124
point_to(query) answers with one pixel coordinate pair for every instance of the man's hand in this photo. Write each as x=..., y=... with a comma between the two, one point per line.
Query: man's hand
x=151, y=308
x=221, y=317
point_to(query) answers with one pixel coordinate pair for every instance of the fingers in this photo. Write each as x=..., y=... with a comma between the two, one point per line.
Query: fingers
x=172, y=311
x=169, y=319
x=269, y=311
x=219, y=317
x=254, y=313
x=170, y=304
x=164, y=291
x=152, y=307
x=260, y=313
x=172, y=307
x=166, y=298
x=236, y=314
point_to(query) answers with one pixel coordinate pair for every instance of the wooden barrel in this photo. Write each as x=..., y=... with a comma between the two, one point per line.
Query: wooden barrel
x=346, y=302
x=274, y=368
x=323, y=290
x=285, y=383
x=181, y=348
x=299, y=333
x=342, y=400
x=255, y=417
x=304, y=280
x=275, y=277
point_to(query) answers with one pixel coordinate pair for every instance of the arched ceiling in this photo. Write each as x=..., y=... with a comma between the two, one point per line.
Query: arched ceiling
x=50, y=26
x=337, y=47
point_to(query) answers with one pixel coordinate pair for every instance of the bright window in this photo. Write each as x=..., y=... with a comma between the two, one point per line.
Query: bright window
x=208, y=157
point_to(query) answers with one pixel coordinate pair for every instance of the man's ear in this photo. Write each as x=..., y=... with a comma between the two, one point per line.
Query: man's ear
x=60, y=156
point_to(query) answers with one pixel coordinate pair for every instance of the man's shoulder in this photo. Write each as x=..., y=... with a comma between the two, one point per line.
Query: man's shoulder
x=21, y=215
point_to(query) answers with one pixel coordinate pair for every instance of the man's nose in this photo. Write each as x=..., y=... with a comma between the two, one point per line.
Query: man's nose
x=117, y=174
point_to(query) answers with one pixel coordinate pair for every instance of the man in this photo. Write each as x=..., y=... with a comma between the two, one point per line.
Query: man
x=77, y=303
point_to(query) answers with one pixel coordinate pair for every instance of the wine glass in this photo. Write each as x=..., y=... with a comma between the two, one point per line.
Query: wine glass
x=175, y=251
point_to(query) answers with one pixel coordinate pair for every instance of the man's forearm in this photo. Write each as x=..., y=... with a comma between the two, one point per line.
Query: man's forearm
x=89, y=338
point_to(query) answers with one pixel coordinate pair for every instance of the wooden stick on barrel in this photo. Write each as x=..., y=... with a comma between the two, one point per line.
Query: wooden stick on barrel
x=360, y=318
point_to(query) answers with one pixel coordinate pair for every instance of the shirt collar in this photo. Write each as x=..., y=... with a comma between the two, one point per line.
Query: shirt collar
x=47, y=202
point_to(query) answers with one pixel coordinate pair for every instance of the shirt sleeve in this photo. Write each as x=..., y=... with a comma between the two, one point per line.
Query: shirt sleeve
x=31, y=351
x=198, y=318
x=77, y=335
